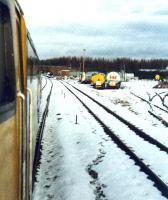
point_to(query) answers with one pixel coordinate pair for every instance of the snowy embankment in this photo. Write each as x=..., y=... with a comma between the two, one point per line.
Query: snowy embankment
x=73, y=150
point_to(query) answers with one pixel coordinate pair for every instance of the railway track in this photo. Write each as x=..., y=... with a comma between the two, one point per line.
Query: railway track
x=162, y=99
x=160, y=181
x=44, y=83
x=150, y=103
x=40, y=131
x=156, y=114
x=138, y=131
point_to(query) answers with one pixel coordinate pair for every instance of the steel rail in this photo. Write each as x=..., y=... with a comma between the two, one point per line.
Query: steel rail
x=37, y=156
x=138, y=131
x=44, y=84
x=162, y=187
x=164, y=122
x=149, y=102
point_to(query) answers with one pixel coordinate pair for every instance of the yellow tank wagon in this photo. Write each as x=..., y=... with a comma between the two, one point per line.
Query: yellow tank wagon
x=98, y=80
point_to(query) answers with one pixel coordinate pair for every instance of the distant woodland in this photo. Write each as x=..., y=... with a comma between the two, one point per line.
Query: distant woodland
x=105, y=65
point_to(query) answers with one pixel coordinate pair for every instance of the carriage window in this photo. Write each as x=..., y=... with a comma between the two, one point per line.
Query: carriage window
x=7, y=75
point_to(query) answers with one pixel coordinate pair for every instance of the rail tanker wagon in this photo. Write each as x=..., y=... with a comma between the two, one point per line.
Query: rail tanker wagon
x=113, y=80
x=82, y=77
x=98, y=80
x=86, y=77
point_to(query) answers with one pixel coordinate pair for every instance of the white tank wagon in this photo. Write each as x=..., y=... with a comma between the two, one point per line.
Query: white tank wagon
x=113, y=80
x=82, y=77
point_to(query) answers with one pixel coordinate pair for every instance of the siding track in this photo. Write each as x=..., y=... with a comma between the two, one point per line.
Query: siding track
x=158, y=182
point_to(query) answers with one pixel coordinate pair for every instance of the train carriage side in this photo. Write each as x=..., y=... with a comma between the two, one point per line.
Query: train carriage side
x=33, y=83
x=19, y=103
x=10, y=131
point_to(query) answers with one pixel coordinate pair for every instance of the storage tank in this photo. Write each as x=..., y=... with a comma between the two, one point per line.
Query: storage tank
x=113, y=80
x=88, y=76
x=98, y=80
x=82, y=77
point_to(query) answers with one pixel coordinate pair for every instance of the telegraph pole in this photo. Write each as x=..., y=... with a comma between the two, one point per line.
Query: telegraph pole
x=84, y=50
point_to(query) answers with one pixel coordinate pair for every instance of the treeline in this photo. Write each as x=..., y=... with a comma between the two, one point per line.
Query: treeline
x=105, y=65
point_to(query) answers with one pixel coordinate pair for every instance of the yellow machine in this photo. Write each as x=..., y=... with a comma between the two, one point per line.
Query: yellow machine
x=98, y=80
x=19, y=103
x=157, y=77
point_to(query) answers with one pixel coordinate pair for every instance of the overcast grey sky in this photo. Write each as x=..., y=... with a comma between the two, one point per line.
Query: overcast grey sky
x=105, y=28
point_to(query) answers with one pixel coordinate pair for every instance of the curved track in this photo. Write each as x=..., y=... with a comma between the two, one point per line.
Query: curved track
x=44, y=84
x=138, y=131
x=158, y=182
x=40, y=131
x=149, y=102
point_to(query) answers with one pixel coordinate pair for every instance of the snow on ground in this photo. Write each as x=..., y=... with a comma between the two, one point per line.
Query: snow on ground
x=79, y=161
x=148, y=152
x=130, y=107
